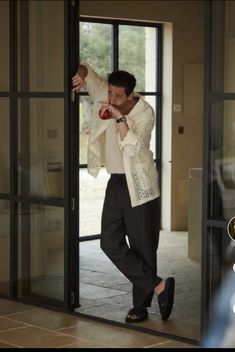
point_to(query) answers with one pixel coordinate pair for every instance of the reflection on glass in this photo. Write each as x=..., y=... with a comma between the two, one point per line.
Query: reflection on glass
x=229, y=47
x=41, y=251
x=223, y=160
x=223, y=68
x=91, y=198
x=139, y=44
x=4, y=49
x=217, y=44
x=96, y=46
x=4, y=247
x=218, y=257
x=85, y=107
x=41, y=147
x=4, y=145
x=41, y=45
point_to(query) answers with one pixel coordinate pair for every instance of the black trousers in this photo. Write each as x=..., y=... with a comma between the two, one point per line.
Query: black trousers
x=138, y=260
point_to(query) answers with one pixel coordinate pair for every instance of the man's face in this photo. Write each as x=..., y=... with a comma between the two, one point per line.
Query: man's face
x=117, y=96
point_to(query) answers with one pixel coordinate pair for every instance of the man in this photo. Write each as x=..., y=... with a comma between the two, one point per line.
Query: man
x=131, y=206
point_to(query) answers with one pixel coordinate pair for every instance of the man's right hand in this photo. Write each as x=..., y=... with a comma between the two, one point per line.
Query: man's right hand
x=77, y=82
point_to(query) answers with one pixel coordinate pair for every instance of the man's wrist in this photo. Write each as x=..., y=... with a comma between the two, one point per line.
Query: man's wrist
x=121, y=119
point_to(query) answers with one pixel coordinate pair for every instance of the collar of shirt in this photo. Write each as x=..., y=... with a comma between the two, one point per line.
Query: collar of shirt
x=139, y=106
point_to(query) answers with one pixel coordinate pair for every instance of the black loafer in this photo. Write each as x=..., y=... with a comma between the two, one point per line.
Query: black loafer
x=166, y=298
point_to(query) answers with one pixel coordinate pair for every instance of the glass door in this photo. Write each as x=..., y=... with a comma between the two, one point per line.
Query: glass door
x=219, y=148
x=5, y=149
x=37, y=192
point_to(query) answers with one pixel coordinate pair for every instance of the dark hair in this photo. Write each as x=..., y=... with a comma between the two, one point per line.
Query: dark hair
x=122, y=78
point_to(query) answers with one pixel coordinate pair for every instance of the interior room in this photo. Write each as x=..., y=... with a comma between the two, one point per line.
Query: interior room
x=179, y=252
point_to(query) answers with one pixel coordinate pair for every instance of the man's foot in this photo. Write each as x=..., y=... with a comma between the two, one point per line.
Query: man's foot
x=166, y=298
x=136, y=315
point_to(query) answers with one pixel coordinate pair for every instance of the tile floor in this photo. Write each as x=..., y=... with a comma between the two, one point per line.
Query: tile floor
x=106, y=293
x=26, y=326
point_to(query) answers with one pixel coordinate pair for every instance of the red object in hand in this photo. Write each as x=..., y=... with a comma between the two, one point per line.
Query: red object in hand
x=106, y=114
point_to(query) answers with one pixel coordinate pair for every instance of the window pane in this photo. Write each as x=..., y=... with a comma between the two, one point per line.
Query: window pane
x=41, y=147
x=137, y=55
x=4, y=247
x=41, y=45
x=4, y=146
x=96, y=46
x=41, y=251
x=4, y=49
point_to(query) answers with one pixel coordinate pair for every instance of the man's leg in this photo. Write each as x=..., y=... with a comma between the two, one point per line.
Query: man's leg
x=142, y=225
x=137, y=263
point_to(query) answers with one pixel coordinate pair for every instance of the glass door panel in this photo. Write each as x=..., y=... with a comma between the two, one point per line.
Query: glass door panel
x=41, y=147
x=223, y=72
x=220, y=106
x=41, y=251
x=41, y=46
x=42, y=102
x=4, y=49
x=4, y=145
x=4, y=247
x=223, y=147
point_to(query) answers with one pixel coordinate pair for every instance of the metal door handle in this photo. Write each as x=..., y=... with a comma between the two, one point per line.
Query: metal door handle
x=231, y=228
x=72, y=96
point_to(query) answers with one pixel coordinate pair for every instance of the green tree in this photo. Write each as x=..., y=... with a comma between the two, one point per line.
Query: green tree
x=132, y=52
x=96, y=49
x=96, y=46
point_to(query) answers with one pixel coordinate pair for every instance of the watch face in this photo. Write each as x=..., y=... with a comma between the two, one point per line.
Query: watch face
x=122, y=119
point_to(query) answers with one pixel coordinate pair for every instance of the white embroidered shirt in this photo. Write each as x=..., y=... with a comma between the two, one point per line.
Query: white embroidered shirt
x=141, y=173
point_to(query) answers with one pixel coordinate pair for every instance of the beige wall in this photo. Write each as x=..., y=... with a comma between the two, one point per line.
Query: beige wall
x=187, y=18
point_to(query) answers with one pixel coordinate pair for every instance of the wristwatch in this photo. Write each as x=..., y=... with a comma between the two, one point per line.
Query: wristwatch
x=122, y=119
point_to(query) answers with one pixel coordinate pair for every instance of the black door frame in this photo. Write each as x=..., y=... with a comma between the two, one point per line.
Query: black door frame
x=72, y=276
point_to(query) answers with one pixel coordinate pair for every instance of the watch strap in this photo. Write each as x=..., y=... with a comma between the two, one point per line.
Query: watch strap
x=122, y=119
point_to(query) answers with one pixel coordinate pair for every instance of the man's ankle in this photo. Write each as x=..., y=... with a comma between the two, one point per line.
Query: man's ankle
x=160, y=287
